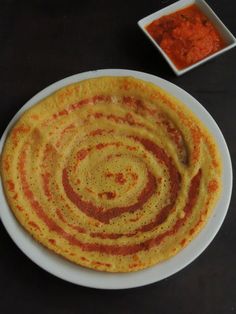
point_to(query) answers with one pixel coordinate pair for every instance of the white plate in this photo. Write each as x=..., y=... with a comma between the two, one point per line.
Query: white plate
x=66, y=270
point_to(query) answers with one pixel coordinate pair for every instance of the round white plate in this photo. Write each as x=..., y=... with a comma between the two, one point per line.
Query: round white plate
x=66, y=270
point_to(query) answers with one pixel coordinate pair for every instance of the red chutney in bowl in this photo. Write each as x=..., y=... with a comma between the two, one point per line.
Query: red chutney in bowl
x=186, y=36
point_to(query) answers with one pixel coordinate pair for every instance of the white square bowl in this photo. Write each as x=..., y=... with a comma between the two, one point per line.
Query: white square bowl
x=227, y=36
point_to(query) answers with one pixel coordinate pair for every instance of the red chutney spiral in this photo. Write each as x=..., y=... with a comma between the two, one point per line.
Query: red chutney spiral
x=112, y=173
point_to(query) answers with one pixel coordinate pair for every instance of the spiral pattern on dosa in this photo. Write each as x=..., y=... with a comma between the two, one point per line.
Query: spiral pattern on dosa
x=112, y=173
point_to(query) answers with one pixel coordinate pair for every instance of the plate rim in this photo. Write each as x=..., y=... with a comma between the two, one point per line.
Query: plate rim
x=79, y=275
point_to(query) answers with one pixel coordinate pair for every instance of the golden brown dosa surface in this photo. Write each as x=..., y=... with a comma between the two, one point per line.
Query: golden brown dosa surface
x=112, y=173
